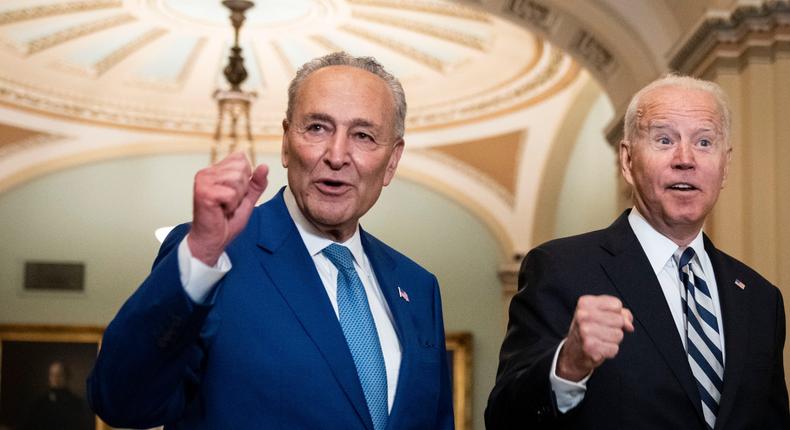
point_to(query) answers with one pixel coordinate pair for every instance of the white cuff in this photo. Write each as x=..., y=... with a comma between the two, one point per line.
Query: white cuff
x=568, y=393
x=197, y=278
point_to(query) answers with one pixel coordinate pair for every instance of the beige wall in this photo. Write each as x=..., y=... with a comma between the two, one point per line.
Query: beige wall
x=752, y=219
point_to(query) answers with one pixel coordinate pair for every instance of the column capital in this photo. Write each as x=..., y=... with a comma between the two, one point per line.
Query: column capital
x=730, y=40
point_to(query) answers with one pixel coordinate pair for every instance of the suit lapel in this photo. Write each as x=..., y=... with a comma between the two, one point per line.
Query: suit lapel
x=735, y=319
x=632, y=276
x=285, y=258
x=386, y=275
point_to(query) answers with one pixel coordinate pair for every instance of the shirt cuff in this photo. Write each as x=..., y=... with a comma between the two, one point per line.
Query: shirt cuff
x=568, y=393
x=197, y=278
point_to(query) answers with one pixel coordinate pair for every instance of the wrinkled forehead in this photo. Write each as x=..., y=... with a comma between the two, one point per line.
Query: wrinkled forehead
x=340, y=87
x=673, y=107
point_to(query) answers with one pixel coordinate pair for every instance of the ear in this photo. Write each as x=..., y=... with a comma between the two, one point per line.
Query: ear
x=726, y=167
x=284, y=150
x=626, y=159
x=392, y=163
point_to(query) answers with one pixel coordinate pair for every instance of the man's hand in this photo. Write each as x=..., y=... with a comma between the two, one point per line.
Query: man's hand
x=224, y=197
x=596, y=331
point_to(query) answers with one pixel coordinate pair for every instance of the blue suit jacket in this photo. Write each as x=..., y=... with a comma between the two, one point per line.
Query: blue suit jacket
x=267, y=350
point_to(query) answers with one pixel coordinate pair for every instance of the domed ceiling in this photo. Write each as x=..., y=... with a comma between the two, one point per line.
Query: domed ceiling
x=155, y=63
x=85, y=80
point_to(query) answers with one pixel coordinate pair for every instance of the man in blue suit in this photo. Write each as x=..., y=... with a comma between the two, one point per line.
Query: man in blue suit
x=287, y=315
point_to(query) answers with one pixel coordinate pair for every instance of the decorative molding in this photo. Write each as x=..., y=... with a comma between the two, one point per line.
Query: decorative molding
x=532, y=13
x=593, y=53
x=508, y=274
x=290, y=69
x=62, y=102
x=187, y=67
x=70, y=33
x=502, y=102
x=472, y=172
x=444, y=9
x=176, y=84
x=325, y=43
x=400, y=47
x=458, y=37
x=30, y=142
x=17, y=15
x=126, y=50
x=750, y=30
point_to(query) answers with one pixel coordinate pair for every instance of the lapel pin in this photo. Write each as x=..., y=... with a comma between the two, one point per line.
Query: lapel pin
x=402, y=294
x=740, y=284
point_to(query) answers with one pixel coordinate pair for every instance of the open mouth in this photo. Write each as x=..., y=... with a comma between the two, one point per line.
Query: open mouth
x=682, y=186
x=331, y=186
x=331, y=183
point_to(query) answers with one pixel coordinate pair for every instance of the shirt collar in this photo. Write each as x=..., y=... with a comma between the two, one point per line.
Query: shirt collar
x=659, y=248
x=314, y=240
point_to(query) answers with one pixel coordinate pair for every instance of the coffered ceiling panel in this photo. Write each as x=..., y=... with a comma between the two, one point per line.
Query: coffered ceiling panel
x=154, y=64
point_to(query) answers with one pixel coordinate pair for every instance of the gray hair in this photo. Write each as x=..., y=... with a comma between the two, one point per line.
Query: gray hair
x=631, y=126
x=365, y=63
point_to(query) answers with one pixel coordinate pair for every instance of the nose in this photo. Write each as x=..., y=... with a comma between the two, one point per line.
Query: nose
x=684, y=156
x=337, y=151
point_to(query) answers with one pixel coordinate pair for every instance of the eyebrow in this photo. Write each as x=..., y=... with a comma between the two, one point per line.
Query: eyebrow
x=317, y=116
x=665, y=126
x=660, y=127
x=356, y=122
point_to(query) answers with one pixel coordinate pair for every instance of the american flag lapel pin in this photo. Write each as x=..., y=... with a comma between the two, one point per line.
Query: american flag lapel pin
x=402, y=294
x=740, y=284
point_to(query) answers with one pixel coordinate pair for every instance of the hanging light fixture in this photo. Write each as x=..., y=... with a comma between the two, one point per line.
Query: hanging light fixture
x=233, y=132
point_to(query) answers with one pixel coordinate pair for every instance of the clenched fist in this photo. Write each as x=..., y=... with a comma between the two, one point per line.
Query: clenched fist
x=224, y=196
x=598, y=326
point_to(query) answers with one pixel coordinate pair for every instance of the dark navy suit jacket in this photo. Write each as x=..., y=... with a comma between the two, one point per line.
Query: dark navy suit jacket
x=267, y=350
x=649, y=384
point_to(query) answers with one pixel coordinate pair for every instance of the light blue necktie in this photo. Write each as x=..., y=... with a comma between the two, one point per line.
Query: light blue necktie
x=702, y=337
x=361, y=335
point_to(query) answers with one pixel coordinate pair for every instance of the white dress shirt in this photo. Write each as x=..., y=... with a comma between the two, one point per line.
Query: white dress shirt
x=198, y=279
x=662, y=253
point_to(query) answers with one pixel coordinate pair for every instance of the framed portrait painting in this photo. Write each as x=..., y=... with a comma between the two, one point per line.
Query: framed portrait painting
x=459, y=357
x=42, y=376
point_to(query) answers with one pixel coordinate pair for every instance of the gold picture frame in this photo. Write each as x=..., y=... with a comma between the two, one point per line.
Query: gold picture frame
x=52, y=342
x=27, y=352
x=459, y=356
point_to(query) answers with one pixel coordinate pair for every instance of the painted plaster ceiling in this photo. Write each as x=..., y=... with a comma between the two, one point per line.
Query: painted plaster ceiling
x=84, y=80
x=154, y=64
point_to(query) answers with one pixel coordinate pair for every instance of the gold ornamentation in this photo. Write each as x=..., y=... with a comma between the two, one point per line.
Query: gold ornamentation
x=78, y=31
x=468, y=40
x=757, y=31
x=36, y=140
x=500, y=102
x=402, y=48
x=124, y=51
x=532, y=13
x=43, y=11
x=427, y=6
x=594, y=53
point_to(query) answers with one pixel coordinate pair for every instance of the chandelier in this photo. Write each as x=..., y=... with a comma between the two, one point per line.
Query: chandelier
x=233, y=132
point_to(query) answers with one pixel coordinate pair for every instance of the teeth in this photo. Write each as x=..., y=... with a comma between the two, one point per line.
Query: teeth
x=682, y=186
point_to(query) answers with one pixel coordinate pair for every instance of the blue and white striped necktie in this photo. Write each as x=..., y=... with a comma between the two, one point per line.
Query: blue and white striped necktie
x=702, y=336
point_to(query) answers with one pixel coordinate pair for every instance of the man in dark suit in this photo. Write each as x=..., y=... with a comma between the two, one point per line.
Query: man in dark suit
x=645, y=324
x=287, y=315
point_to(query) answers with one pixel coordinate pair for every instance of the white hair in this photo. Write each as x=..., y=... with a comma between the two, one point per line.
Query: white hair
x=631, y=125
